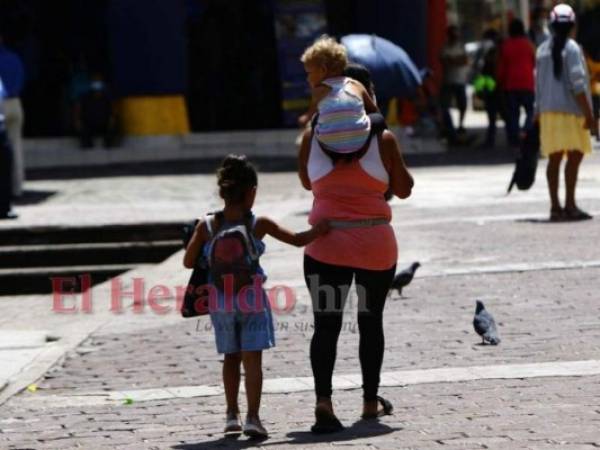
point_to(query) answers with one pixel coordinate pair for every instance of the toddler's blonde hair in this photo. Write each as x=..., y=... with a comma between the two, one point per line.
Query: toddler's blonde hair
x=328, y=53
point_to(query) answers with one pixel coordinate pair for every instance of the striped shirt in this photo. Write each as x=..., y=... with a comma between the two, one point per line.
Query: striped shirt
x=343, y=124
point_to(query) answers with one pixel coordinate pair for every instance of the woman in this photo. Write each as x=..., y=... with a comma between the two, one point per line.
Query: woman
x=515, y=75
x=349, y=190
x=564, y=108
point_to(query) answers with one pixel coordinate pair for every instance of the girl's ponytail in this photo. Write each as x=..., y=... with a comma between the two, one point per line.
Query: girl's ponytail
x=559, y=40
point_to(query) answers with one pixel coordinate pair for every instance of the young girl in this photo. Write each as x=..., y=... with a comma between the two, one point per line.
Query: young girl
x=563, y=105
x=342, y=102
x=242, y=333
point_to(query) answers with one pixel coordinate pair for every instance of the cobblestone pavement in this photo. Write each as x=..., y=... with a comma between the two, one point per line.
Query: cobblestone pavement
x=540, y=280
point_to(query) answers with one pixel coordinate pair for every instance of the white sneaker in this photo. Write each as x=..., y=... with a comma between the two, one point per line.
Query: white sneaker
x=254, y=429
x=233, y=424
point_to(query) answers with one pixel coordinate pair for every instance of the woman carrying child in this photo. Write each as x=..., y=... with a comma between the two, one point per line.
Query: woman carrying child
x=243, y=326
x=349, y=179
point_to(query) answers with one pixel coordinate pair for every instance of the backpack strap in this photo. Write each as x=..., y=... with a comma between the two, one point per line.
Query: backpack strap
x=214, y=221
x=249, y=223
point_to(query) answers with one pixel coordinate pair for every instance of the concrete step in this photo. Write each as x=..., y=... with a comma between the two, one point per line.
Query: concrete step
x=87, y=254
x=146, y=232
x=37, y=280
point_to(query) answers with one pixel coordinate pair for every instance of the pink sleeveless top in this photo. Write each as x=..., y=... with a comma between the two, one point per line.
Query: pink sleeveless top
x=351, y=191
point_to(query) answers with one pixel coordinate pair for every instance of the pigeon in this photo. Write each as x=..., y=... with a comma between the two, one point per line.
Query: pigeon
x=485, y=325
x=404, y=277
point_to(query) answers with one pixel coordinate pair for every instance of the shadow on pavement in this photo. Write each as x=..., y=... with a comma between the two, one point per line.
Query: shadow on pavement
x=358, y=430
x=30, y=197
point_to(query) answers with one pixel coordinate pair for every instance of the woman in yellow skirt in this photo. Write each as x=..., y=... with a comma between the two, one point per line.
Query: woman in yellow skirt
x=563, y=105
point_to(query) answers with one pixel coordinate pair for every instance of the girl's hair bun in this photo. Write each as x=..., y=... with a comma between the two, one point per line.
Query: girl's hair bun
x=235, y=177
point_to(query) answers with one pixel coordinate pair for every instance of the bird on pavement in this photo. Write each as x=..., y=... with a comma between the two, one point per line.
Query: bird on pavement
x=404, y=277
x=485, y=325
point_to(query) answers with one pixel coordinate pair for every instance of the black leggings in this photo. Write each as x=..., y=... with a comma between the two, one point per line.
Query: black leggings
x=329, y=286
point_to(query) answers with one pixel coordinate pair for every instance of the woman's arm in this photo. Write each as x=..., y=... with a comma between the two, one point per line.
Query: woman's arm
x=265, y=226
x=303, y=155
x=401, y=181
x=194, y=247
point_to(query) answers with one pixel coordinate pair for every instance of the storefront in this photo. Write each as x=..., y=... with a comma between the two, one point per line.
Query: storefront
x=175, y=66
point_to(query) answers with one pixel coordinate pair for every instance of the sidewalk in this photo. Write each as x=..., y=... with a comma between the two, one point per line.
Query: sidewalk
x=540, y=280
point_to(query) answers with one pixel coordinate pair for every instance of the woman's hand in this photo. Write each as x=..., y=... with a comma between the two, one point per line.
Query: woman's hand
x=591, y=124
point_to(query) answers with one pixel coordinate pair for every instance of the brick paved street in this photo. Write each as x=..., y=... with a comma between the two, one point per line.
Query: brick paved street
x=540, y=280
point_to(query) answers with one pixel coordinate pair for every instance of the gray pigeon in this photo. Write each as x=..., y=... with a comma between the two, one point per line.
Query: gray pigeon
x=485, y=325
x=404, y=277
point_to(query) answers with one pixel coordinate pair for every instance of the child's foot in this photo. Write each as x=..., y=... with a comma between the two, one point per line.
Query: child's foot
x=233, y=424
x=254, y=429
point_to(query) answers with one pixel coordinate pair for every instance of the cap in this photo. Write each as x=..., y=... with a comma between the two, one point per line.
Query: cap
x=562, y=13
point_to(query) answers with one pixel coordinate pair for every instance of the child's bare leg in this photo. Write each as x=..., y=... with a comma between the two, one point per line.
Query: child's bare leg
x=253, y=374
x=231, y=381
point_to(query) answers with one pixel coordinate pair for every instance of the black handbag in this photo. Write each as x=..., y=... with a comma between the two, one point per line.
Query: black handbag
x=527, y=161
x=193, y=304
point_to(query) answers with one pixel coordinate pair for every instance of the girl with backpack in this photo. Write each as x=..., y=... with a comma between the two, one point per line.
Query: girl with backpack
x=231, y=243
x=563, y=105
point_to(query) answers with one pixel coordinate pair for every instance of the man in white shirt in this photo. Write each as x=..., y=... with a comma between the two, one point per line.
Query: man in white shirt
x=456, y=71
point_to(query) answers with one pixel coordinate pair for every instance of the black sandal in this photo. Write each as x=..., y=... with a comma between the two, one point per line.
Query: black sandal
x=326, y=422
x=387, y=410
x=557, y=215
x=576, y=214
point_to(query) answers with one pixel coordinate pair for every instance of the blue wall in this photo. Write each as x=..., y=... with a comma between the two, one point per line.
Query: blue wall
x=148, y=46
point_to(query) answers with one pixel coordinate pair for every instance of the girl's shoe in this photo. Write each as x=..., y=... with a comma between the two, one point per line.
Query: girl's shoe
x=254, y=429
x=233, y=424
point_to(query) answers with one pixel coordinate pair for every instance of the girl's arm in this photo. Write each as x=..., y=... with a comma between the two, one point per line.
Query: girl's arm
x=194, y=247
x=265, y=226
x=401, y=181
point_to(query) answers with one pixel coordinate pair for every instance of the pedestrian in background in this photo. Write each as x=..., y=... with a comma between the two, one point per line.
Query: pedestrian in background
x=538, y=32
x=594, y=71
x=454, y=87
x=515, y=74
x=485, y=83
x=565, y=110
x=94, y=114
x=6, y=165
x=13, y=77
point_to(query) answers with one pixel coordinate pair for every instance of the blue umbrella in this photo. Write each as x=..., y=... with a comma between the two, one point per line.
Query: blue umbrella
x=393, y=72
